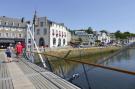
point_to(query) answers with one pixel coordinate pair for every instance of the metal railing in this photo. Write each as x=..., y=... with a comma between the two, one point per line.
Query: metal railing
x=58, y=65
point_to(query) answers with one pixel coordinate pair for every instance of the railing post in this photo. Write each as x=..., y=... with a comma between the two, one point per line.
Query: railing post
x=62, y=71
x=86, y=76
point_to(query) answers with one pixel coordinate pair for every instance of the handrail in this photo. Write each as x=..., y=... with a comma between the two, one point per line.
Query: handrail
x=92, y=64
x=105, y=67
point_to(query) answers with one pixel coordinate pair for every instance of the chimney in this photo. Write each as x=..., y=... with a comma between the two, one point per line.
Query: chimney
x=22, y=20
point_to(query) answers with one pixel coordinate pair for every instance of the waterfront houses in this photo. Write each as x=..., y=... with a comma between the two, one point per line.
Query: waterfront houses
x=104, y=37
x=50, y=34
x=12, y=30
x=131, y=39
x=87, y=39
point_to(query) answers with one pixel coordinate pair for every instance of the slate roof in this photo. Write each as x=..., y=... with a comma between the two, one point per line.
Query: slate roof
x=17, y=22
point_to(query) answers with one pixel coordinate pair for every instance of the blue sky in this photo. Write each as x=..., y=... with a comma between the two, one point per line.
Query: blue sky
x=110, y=15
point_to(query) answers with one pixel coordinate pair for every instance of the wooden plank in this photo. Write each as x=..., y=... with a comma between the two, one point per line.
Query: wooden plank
x=0, y=84
x=37, y=68
x=11, y=84
x=39, y=80
x=59, y=81
x=20, y=81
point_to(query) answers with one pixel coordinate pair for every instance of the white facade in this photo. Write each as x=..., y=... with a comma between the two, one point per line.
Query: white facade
x=103, y=37
x=58, y=35
x=50, y=34
x=131, y=39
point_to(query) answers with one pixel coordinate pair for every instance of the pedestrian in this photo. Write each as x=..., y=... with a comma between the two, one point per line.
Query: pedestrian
x=19, y=50
x=8, y=53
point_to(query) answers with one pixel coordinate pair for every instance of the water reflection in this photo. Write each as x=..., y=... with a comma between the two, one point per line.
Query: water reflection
x=99, y=78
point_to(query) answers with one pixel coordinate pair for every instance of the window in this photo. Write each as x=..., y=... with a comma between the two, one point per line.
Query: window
x=20, y=35
x=38, y=31
x=45, y=31
x=62, y=34
x=63, y=41
x=6, y=23
x=56, y=33
x=54, y=41
x=65, y=34
x=59, y=42
x=6, y=34
x=12, y=24
x=29, y=41
x=53, y=32
x=18, y=25
x=41, y=24
x=59, y=33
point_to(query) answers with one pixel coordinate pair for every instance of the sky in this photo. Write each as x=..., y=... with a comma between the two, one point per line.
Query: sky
x=110, y=15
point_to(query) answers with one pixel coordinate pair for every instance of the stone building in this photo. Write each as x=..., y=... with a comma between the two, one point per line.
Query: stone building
x=49, y=33
x=87, y=39
x=12, y=30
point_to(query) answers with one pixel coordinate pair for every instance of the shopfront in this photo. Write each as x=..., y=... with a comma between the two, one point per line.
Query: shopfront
x=5, y=42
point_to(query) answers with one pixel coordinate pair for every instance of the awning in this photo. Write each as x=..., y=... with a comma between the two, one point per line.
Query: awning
x=6, y=41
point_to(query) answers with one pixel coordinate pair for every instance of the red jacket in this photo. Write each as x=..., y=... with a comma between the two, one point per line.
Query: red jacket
x=19, y=48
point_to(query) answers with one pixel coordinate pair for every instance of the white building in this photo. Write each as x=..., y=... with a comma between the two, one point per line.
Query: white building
x=131, y=39
x=103, y=37
x=49, y=33
x=68, y=37
x=12, y=30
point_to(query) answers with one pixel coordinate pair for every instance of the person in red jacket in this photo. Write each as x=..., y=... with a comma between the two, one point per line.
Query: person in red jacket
x=19, y=50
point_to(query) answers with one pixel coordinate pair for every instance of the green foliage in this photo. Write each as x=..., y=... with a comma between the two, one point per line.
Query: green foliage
x=103, y=31
x=123, y=35
x=89, y=30
x=98, y=41
x=80, y=40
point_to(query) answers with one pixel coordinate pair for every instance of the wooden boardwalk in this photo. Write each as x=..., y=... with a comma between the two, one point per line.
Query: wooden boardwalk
x=25, y=75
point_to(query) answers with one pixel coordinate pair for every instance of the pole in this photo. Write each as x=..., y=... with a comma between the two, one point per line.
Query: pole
x=86, y=76
x=34, y=43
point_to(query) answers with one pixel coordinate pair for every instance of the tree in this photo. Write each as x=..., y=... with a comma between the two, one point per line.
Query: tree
x=98, y=42
x=118, y=34
x=89, y=30
x=104, y=31
x=123, y=35
x=80, y=39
